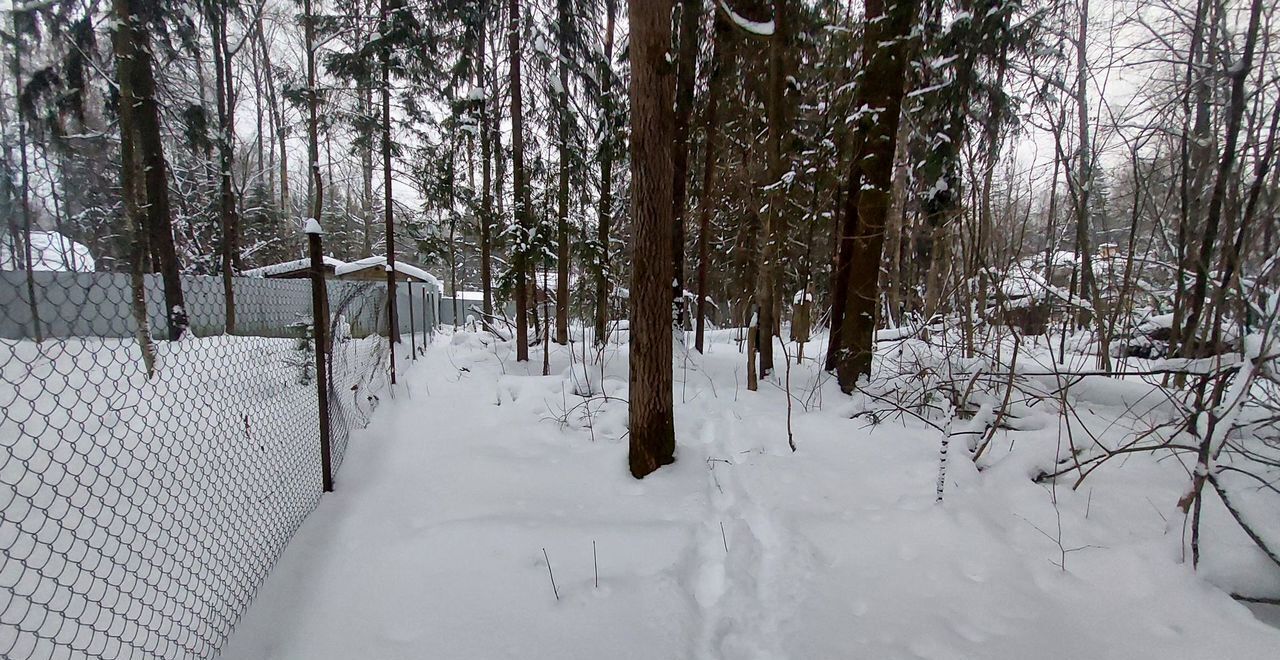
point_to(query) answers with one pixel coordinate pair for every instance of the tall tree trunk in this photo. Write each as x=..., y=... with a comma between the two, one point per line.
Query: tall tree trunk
x=133, y=197
x=24, y=247
x=1238, y=73
x=686, y=73
x=367, y=201
x=562, y=196
x=316, y=203
x=775, y=220
x=1233, y=260
x=1084, y=156
x=140, y=115
x=520, y=255
x=652, y=429
x=277, y=119
x=715, y=89
x=869, y=192
x=224, y=95
x=486, y=175
x=388, y=211
x=450, y=206
x=1194, y=152
x=606, y=176
x=259, y=111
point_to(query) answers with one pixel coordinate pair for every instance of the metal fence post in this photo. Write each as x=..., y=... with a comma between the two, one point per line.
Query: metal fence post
x=413, y=347
x=319, y=297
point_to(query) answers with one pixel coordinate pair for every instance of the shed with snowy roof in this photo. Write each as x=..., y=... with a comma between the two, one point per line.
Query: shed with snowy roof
x=375, y=269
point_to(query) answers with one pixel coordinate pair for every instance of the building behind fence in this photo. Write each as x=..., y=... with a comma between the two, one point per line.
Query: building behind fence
x=140, y=512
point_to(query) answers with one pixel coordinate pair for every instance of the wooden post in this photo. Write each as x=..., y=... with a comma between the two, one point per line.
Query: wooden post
x=321, y=339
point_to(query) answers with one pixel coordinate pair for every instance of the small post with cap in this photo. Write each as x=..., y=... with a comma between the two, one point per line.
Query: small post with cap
x=319, y=307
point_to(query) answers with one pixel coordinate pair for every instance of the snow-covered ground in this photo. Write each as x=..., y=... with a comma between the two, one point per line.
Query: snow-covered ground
x=435, y=543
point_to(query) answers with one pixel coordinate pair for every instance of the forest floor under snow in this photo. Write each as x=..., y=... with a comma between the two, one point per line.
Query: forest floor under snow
x=437, y=539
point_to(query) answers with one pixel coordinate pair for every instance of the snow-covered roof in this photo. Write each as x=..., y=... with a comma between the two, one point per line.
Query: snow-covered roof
x=401, y=267
x=289, y=266
x=49, y=251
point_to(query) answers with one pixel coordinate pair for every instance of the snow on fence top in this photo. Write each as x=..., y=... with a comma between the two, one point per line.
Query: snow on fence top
x=50, y=251
x=289, y=266
x=160, y=481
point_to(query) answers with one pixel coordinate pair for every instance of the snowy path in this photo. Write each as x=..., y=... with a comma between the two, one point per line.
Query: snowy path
x=432, y=547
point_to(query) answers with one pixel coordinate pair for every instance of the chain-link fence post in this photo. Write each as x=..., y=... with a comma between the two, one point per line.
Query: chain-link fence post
x=413, y=346
x=319, y=296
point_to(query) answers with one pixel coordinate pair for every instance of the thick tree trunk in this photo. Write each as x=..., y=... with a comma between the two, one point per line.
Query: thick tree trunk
x=686, y=73
x=652, y=429
x=140, y=115
x=520, y=255
x=606, y=177
x=870, y=178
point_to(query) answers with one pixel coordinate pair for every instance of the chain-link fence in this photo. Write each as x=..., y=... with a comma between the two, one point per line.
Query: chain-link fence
x=148, y=486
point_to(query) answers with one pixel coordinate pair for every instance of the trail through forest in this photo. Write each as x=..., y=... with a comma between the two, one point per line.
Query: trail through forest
x=433, y=543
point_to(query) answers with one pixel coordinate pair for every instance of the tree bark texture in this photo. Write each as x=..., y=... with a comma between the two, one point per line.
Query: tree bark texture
x=878, y=99
x=652, y=430
x=140, y=118
x=519, y=257
x=562, y=195
x=606, y=177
